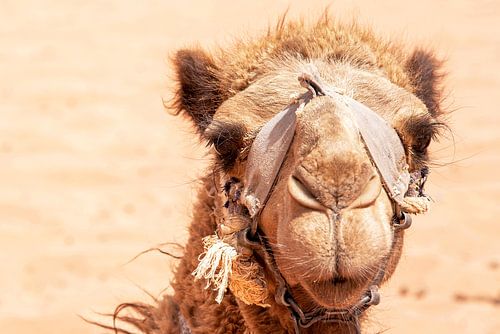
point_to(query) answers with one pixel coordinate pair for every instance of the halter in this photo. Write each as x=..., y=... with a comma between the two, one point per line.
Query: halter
x=264, y=162
x=265, y=159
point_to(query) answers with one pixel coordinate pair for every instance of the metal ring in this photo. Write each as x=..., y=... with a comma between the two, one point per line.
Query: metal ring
x=374, y=296
x=245, y=239
x=403, y=222
x=279, y=297
x=298, y=311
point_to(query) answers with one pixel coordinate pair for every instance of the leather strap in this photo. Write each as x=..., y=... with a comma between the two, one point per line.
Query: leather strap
x=384, y=147
x=268, y=153
x=271, y=144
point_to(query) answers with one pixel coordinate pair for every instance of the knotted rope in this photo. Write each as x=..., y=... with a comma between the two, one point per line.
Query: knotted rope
x=225, y=263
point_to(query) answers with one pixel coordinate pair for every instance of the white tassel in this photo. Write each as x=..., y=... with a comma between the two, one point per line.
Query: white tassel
x=216, y=265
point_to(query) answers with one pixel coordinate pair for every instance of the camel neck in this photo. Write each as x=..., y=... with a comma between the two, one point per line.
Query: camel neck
x=276, y=319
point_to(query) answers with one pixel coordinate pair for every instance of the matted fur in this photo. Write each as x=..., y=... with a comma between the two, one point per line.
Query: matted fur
x=205, y=81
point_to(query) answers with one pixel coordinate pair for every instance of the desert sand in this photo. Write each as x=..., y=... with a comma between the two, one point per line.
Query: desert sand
x=93, y=170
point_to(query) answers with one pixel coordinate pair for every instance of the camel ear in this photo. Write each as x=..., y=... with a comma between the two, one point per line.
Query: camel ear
x=426, y=76
x=198, y=91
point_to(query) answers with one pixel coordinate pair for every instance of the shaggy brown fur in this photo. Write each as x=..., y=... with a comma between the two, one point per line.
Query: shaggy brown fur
x=205, y=82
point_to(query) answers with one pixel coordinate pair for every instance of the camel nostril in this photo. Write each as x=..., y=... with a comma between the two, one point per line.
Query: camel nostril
x=369, y=193
x=303, y=196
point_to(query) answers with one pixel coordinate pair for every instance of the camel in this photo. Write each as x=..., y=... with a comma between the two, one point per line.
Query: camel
x=298, y=219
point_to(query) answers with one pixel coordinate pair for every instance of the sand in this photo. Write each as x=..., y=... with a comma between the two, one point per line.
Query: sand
x=93, y=170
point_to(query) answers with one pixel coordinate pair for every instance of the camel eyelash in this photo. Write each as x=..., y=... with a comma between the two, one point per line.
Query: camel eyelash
x=227, y=139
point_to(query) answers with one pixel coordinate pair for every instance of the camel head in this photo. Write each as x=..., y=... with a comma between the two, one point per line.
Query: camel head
x=328, y=217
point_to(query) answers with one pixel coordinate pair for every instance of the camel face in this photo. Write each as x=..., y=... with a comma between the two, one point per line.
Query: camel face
x=328, y=217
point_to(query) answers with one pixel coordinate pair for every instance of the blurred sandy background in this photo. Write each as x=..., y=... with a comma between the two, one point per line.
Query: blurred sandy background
x=94, y=171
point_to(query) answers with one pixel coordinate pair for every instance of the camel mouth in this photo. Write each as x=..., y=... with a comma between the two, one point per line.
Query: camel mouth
x=338, y=280
x=337, y=292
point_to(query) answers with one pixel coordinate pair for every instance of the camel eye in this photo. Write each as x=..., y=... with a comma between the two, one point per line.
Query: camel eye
x=227, y=140
x=421, y=145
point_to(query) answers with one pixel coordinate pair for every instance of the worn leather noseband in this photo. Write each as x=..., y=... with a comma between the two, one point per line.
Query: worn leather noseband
x=271, y=144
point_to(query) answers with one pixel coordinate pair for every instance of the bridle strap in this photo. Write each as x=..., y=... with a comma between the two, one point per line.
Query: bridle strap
x=268, y=153
x=381, y=140
x=264, y=162
x=273, y=141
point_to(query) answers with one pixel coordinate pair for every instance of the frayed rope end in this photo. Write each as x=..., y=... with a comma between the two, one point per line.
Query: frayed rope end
x=216, y=264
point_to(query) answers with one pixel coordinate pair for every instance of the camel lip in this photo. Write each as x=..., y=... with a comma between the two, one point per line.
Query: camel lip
x=336, y=281
x=337, y=292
